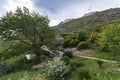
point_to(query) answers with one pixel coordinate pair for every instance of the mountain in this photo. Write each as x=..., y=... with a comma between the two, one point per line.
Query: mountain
x=65, y=21
x=89, y=21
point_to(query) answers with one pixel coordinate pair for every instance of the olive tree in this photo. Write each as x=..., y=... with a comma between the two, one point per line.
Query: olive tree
x=28, y=27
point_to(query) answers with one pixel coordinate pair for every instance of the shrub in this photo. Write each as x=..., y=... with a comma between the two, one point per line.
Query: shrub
x=69, y=43
x=16, y=62
x=93, y=46
x=100, y=63
x=14, y=50
x=73, y=43
x=79, y=64
x=82, y=45
x=84, y=74
x=68, y=54
x=56, y=70
x=109, y=38
x=28, y=77
x=92, y=37
x=3, y=69
x=105, y=49
x=66, y=43
x=65, y=59
x=65, y=34
x=60, y=48
x=72, y=66
x=82, y=35
x=12, y=64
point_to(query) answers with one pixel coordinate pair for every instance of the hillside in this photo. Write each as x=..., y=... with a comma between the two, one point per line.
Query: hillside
x=90, y=21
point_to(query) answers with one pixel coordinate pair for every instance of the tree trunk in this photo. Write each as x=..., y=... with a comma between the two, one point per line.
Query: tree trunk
x=38, y=57
x=37, y=50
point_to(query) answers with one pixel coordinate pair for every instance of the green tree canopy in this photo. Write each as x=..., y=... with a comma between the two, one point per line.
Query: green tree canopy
x=109, y=38
x=82, y=35
x=28, y=27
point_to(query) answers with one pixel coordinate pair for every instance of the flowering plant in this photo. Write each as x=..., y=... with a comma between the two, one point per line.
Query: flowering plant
x=56, y=69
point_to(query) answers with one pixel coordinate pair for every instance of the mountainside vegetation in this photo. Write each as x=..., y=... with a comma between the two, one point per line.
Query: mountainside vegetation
x=90, y=22
x=109, y=37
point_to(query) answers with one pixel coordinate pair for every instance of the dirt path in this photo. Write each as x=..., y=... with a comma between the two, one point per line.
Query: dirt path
x=87, y=54
x=93, y=58
x=56, y=58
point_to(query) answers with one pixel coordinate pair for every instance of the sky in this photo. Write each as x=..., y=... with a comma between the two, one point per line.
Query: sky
x=59, y=10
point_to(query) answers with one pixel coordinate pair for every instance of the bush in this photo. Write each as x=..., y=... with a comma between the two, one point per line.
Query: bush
x=12, y=64
x=73, y=43
x=68, y=54
x=82, y=45
x=100, y=63
x=66, y=43
x=72, y=66
x=3, y=69
x=56, y=70
x=16, y=63
x=92, y=38
x=79, y=64
x=28, y=77
x=104, y=49
x=84, y=74
x=109, y=38
x=14, y=50
x=65, y=34
x=82, y=35
x=65, y=59
x=93, y=46
x=69, y=43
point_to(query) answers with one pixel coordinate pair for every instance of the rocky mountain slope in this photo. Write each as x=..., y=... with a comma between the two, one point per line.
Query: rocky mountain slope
x=90, y=21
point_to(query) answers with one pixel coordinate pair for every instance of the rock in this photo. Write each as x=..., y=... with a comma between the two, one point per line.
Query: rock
x=39, y=65
x=30, y=56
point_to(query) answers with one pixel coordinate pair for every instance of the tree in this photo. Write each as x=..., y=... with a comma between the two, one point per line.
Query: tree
x=82, y=35
x=70, y=41
x=109, y=38
x=29, y=28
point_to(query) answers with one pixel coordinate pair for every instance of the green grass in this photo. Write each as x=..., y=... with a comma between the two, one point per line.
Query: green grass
x=16, y=75
x=97, y=73
x=106, y=72
x=19, y=66
x=105, y=55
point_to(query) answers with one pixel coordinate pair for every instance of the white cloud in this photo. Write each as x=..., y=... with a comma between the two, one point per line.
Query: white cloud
x=13, y=4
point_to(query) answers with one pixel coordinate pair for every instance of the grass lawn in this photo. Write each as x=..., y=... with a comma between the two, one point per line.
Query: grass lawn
x=106, y=72
x=23, y=67
x=16, y=75
x=105, y=55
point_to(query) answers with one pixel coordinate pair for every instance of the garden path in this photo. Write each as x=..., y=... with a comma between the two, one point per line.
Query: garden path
x=78, y=54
